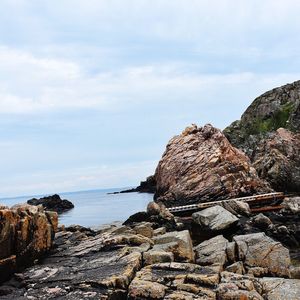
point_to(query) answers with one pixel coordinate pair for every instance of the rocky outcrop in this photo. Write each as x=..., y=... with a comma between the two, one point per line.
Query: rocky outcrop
x=268, y=133
x=147, y=186
x=201, y=165
x=26, y=233
x=279, y=107
x=52, y=203
x=215, y=218
x=277, y=159
x=137, y=262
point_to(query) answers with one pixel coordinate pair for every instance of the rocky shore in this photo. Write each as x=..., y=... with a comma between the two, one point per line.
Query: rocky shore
x=146, y=260
x=227, y=251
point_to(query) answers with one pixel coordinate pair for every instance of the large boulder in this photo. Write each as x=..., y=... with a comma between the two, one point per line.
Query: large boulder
x=201, y=165
x=259, y=250
x=215, y=218
x=53, y=203
x=26, y=233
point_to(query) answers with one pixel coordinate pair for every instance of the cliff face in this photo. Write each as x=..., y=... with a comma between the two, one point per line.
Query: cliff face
x=277, y=108
x=201, y=165
x=274, y=152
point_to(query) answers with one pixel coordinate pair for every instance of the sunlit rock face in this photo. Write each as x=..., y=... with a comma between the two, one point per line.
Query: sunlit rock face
x=26, y=233
x=201, y=165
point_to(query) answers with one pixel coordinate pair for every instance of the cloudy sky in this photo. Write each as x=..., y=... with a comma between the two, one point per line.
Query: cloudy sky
x=91, y=91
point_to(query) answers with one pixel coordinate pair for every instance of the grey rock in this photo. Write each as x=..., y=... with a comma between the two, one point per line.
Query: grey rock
x=214, y=218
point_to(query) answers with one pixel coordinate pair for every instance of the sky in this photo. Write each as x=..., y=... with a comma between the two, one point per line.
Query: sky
x=91, y=91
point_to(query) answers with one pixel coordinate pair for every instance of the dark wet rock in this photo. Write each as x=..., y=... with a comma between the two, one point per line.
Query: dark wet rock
x=201, y=165
x=157, y=214
x=26, y=234
x=261, y=221
x=215, y=218
x=147, y=186
x=52, y=203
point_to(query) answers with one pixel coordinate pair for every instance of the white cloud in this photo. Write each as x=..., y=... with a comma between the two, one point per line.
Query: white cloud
x=31, y=84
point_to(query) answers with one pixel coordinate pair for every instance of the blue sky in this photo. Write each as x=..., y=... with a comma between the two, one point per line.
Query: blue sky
x=91, y=91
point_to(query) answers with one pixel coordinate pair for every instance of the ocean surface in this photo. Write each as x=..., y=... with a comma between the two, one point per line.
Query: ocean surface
x=96, y=207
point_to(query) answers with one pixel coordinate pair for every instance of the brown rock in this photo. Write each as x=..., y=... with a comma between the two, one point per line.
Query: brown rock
x=277, y=160
x=201, y=165
x=259, y=250
x=26, y=233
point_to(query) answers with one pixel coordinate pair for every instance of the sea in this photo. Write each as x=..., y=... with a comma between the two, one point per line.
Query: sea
x=95, y=208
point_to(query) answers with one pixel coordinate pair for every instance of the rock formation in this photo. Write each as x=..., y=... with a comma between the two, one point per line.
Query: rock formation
x=26, y=233
x=52, y=203
x=201, y=165
x=277, y=159
x=269, y=133
x=138, y=262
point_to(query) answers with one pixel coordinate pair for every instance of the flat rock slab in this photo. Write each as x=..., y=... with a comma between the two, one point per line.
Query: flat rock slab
x=174, y=281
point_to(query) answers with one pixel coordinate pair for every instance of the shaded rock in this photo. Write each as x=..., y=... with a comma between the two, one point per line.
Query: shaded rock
x=26, y=233
x=259, y=250
x=157, y=214
x=212, y=252
x=237, y=267
x=177, y=242
x=279, y=288
x=159, y=231
x=236, y=207
x=153, y=257
x=291, y=205
x=214, y=218
x=201, y=165
x=52, y=203
x=144, y=229
x=147, y=186
x=261, y=221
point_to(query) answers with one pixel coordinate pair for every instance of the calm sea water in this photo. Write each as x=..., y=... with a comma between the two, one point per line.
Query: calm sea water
x=96, y=207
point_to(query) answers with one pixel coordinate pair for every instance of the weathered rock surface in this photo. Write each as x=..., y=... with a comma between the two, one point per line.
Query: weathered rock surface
x=279, y=288
x=212, y=252
x=215, y=218
x=268, y=133
x=279, y=107
x=177, y=242
x=277, y=159
x=201, y=165
x=259, y=250
x=124, y=262
x=26, y=233
x=52, y=203
x=174, y=281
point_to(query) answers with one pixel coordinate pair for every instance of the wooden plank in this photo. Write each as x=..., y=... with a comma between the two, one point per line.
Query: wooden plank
x=266, y=208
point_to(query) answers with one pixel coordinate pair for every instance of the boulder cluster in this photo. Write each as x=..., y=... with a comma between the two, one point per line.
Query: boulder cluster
x=147, y=260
